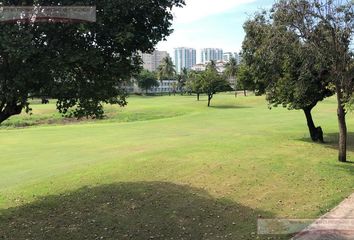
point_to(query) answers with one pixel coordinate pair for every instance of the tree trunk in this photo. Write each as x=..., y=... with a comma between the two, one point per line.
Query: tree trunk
x=10, y=110
x=342, y=143
x=316, y=133
x=210, y=96
x=198, y=96
x=235, y=88
x=245, y=92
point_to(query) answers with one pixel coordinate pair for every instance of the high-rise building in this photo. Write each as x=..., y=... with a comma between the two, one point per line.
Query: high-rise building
x=153, y=60
x=211, y=54
x=184, y=58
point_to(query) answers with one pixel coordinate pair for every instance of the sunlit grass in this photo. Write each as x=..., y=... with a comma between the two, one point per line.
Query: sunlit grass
x=238, y=156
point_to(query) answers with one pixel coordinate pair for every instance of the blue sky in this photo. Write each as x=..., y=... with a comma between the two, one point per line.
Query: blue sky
x=212, y=23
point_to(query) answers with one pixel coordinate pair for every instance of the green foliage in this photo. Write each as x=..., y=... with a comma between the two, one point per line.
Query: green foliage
x=231, y=68
x=82, y=65
x=281, y=64
x=182, y=79
x=166, y=70
x=193, y=83
x=327, y=28
x=212, y=82
x=245, y=78
x=147, y=80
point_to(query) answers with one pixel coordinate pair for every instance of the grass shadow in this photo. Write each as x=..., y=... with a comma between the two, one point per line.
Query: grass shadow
x=139, y=210
x=331, y=141
x=229, y=107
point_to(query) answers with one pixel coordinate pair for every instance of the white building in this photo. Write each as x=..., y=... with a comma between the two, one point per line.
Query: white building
x=211, y=54
x=165, y=86
x=184, y=58
x=228, y=55
x=199, y=67
x=152, y=61
x=220, y=66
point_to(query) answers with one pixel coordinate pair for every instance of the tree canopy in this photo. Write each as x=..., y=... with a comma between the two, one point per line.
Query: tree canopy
x=286, y=68
x=212, y=82
x=82, y=65
x=327, y=29
x=147, y=80
x=193, y=83
x=166, y=70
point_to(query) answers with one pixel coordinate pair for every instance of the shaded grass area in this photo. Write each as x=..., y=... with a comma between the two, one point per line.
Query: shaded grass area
x=237, y=161
x=140, y=210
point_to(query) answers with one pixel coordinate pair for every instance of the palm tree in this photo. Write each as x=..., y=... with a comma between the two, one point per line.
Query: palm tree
x=182, y=79
x=166, y=69
x=231, y=69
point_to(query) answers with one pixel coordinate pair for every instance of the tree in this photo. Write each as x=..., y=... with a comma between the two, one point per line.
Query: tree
x=212, y=82
x=327, y=27
x=194, y=83
x=212, y=66
x=174, y=88
x=166, y=70
x=245, y=78
x=147, y=80
x=182, y=79
x=82, y=65
x=294, y=76
x=231, y=69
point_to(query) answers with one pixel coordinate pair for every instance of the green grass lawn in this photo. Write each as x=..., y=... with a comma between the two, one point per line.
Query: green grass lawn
x=168, y=168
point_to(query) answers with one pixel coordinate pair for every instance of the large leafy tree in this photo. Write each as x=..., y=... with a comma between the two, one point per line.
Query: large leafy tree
x=327, y=27
x=212, y=82
x=293, y=75
x=82, y=65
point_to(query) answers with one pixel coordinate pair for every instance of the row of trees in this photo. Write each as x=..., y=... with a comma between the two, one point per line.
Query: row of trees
x=208, y=82
x=299, y=54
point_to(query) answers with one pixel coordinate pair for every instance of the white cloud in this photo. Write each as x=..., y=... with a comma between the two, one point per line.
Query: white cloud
x=199, y=9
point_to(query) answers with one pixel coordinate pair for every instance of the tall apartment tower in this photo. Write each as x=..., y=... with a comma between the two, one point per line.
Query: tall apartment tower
x=152, y=61
x=211, y=54
x=184, y=58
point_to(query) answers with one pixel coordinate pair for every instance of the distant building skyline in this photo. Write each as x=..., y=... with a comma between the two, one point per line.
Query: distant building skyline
x=184, y=57
x=211, y=54
x=209, y=23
